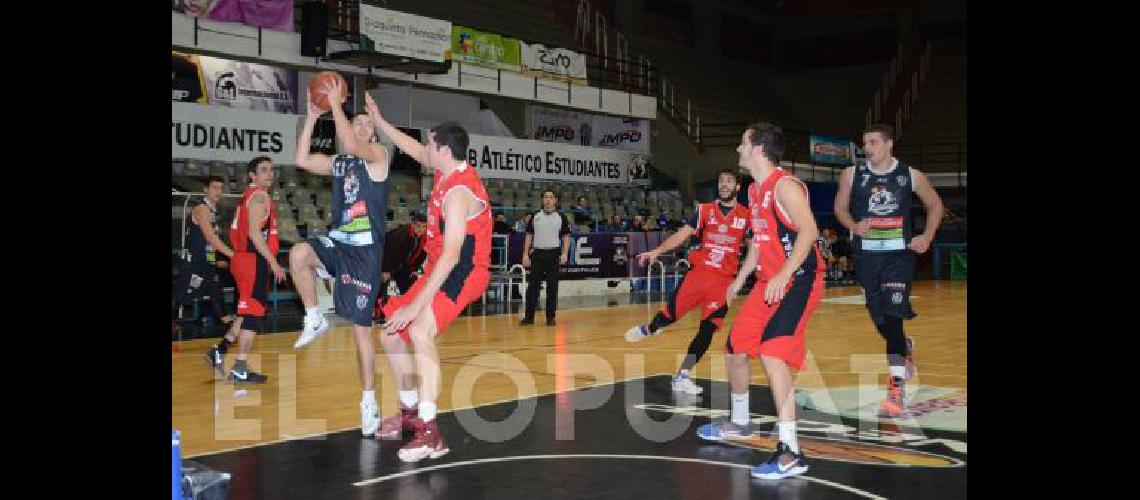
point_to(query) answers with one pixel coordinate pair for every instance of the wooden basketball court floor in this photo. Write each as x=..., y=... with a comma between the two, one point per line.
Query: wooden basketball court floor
x=302, y=427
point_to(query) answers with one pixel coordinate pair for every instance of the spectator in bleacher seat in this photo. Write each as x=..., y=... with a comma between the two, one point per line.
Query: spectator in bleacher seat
x=523, y=222
x=950, y=217
x=403, y=255
x=617, y=225
x=650, y=224
x=826, y=238
x=841, y=250
x=638, y=223
x=501, y=226
x=647, y=225
x=549, y=235
x=583, y=216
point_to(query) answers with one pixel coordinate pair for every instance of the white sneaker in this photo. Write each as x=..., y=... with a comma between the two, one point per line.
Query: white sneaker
x=314, y=327
x=686, y=385
x=639, y=333
x=369, y=418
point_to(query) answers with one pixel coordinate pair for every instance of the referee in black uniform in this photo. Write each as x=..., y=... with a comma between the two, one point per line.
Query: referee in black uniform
x=548, y=233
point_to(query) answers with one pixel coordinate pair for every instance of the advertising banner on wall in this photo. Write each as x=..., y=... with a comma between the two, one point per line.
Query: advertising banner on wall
x=521, y=159
x=217, y=133
x=553, y=62
x=194, y=8
x=832, y=150
x=403, y=34
x=641, y=167
x=561, y=125
x=630, y=134
x=251, y=86
x=268, y=14
x=471, y=46
x=186, y=82
x=586, y=129
x=591, y=255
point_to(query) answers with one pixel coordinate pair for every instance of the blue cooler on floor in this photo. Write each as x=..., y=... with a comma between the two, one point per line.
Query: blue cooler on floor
x=194, y=481
x=176, y=465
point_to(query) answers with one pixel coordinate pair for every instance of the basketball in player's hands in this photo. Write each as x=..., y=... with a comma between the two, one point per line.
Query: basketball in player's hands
x=317, y=88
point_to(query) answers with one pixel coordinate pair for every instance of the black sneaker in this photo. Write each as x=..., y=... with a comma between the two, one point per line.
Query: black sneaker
x=550, y=322
x=247, y=377
x=215, y=359
x=526, y=321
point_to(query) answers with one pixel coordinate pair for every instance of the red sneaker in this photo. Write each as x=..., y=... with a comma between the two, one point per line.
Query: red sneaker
x=393, y=427
x=428, y=442
x=894, y=406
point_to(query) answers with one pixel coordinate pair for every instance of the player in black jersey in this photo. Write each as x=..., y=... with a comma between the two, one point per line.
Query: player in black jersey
x=874, y=202
x=200, y=261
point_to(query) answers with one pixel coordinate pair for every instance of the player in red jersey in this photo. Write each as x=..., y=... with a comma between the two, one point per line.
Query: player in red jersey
x=456, y=273
x=720, y=227
x=253, y=235
x=789, y=285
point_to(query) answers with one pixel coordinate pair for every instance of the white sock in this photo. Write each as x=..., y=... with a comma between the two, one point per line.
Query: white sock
x=409, y=398
x=427, y=411
x=313, y=311
x=369, y=397
x=898, y=371
x=683, y=373
x=740, y=409
x=788, y=435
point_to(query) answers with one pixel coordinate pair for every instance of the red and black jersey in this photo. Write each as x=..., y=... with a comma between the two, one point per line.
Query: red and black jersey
x=773, y=232
x=476, y=250
x=240, y=231
x=719, y=235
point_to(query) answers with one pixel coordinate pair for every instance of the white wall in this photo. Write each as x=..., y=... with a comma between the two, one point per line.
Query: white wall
x=407, y=106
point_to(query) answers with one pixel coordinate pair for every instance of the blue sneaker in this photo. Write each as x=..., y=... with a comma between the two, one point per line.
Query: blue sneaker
x=774, y=468
x=722, y=429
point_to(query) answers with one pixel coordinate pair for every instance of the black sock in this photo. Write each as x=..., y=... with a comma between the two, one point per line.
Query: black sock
x=659, y=321
x=240, y=366
x=700, y=344
x=892, y=331
x=224, y=345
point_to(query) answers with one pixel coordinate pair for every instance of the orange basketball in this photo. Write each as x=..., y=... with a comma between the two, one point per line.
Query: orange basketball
x=317, y=86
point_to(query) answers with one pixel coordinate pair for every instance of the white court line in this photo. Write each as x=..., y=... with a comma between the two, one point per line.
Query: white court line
x=572, y=346
x=630, y=457
x=286, y=437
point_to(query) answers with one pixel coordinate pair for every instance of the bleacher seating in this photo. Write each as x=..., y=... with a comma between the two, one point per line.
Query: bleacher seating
x=303, y=199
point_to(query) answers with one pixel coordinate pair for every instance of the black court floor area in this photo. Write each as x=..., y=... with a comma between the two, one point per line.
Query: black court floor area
x=626, y=439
